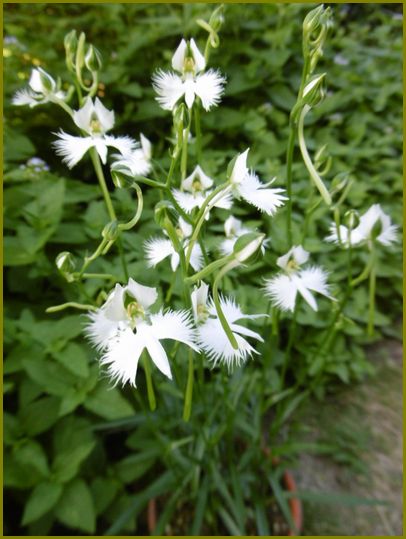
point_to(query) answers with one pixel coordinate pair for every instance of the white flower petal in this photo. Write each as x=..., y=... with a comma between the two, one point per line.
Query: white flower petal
x=189, y=89
x=246, y=332
x=175, y=325
x=72, y=149
x=101, y=148
x=125, y=144
x=234, y=228
x=303, y=291
x=133, y=164
x=169, y=88
x=178, y=58
x=146, y=146
x=101, y=329
x=156, y=350
x=27, y=97
x=175, y=259
x=224, y=202
x=187, y=201
x=35, y=81
x=315, y=278
x=282, y=291
x=240, y=169
x=105, y=116
x=83, y=116
x=200, y=62
x=227, y=246
x=196, y=257
x=185, y=228
x=199, y=299
x=145, y=295
x=157, y=249
x=296, y=253
x=114, y=306
x=205, y=181
x=209, y=87
x=255, y=193
x=122, y=357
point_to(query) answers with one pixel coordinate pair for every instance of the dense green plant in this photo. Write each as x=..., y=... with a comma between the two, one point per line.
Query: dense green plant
x=53, y=386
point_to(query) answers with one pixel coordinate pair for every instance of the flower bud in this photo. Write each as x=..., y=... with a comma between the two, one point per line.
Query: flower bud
x=66, y=264
x=71, y=43
x=111, y=231
x=314, y=91
x=119, y=179
x=163, y=211
x=247, y=245
x=93, y=59
x=80, y=51
x=217, y=18
x=351, y=219
x=321, y=159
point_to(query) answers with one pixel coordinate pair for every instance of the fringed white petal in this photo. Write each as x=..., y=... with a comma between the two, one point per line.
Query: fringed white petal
x=209, y=87
x=72, y=149
x=156, y=249
x=101, y=329
x=282, y=292
x=196, y=257
x=315, y=278
x=169, y=88
x=175, y=325
x=26, y=97
x=122, y=356
x=187, y=201
x=125, y=145
x=255, y=193
x=133, y=164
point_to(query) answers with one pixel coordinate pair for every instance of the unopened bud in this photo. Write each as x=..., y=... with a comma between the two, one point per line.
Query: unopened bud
x=217, y=18
x=351, y=219
x=119, y=179
x=66, y=264
x=93, y=59
x=247, y=245
x=80, y=51
x=71, y=43
x=314, y=91
x=164, y=211
x=111, y=231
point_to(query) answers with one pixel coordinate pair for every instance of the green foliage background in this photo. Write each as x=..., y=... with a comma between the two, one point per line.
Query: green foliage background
x=66, y=469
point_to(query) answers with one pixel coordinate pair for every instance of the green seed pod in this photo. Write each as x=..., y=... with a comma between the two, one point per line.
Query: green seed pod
x=351, y=219
x=164, y=211
x=66, y=264
x=314, y=91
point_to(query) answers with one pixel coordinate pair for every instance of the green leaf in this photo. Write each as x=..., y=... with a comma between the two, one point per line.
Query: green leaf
x=42, y=499
x=76, y=508
x=108, y=403
x=131, y=468
x=74, y=359
x=104, y=491
x=31, y=455
x=52, y=377
x=40, y=415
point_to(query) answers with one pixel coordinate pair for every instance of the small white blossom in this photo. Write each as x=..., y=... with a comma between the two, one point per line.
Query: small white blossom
x=188, y=61
x=196, y=188
x=95, y=120
x=284, y=287
x=41, y=89
x=123, y=327
x=157, y=249
x=361, y=234
x=233, y=229
x=210, y=333
x=137, y=162
x=246, y=185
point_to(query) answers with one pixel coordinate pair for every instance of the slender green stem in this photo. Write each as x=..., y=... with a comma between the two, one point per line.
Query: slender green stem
x=81, y=306
x=314, y=175
x=372, y=288
x=183, y=161
x=102, y=182
x=150, y=386
x=96, y=254
x=64, y=106
x=198, y=134
x=289, y=163
x=208, y=270
x=216, y=299
x=189, y=389
x=98, y=276
x=174, y=160
x=292, y=334
x=130, y=224
x=201, y=217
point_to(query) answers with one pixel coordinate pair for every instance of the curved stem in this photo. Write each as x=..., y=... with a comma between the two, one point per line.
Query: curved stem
x=135, y=219
x=308, y=162
x=73, y=304
x=216, y=299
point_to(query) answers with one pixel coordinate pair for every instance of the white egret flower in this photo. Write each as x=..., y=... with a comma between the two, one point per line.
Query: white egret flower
x=123, y=327
x=374, y=219
x=95, y=120
x=246, y=185
x=41, y=89
x=283, y=288
x=233, y=229
x=188, y=61
x=157, y=249
x=137, y=162
x=211, y=336
x=196, y=188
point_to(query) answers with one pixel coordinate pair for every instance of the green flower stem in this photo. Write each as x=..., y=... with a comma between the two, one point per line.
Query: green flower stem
x=216, y=299
x=365, y=274
x=201, y=217
x=372, y=289
x=336, y=214
x=184, y=153
x=88, y=259
x=179, y=249
x=208, y=270
x=130, y=224
x=64, y=106
x=98, y=276
x=189, y=389
x=198, y=133
x=150, y=386
x=150, y=182
x=109, y=205
x=289, y=162
x=308, y=162
x=81, y=306
x=292, y=334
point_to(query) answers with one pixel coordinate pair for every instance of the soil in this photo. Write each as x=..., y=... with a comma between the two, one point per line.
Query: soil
x=365, y=422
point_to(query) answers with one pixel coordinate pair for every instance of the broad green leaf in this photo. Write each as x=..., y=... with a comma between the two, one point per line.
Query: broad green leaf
x=108, y=403
x=42, y=499
x=40, y=415
x=74, y=359
x=76, y=508
x=31, y=455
